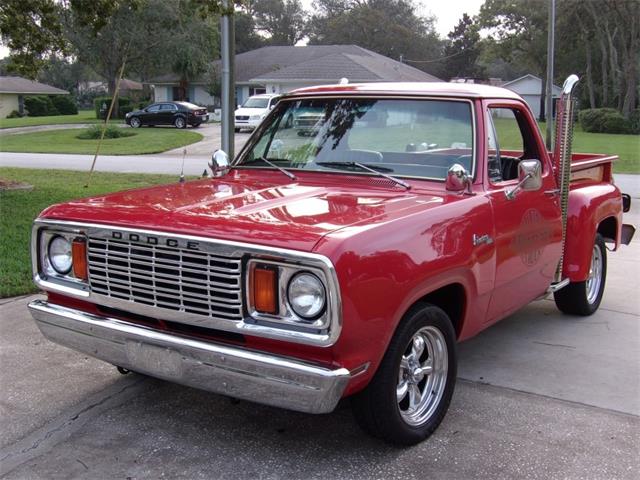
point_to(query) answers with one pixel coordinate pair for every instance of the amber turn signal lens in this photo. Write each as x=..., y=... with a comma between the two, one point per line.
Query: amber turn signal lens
x=79, y=256
x=265, y=290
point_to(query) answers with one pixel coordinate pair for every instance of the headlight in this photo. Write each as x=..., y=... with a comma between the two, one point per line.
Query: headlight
x=256, y=117
x=306, y=295
x=59, y=250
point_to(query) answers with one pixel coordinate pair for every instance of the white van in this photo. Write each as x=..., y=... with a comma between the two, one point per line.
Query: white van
x=253, y=110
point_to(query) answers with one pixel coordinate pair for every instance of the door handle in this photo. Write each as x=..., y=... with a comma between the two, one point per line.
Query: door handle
x=480, y=239
x=555, y=191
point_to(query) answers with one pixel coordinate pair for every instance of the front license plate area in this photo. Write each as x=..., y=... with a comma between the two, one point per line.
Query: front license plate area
x=155, y=360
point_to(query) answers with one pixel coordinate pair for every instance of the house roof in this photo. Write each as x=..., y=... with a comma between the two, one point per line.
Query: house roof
x=126, y=84
x=315, y=63
x=519, y=86
x=25, y=86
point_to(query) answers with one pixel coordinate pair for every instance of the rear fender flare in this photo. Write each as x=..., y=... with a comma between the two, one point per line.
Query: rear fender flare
x=588, y=207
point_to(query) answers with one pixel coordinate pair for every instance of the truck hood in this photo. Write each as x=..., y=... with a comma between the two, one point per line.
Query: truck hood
x=251, y=111
x=252, y=205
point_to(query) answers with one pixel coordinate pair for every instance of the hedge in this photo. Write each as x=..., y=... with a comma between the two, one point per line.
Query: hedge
x=123, y=103
x=608, y=120
x=40, y=106
x=64, y=105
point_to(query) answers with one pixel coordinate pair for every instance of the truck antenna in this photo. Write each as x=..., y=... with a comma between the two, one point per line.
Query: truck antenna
x=184, y=154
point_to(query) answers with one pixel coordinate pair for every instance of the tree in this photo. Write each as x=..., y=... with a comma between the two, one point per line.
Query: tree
x=463, y=49
x=520, y=28
x=388, y=27
x=62, y=73
x=194, y=39
x=34, y=30
x=283, y=21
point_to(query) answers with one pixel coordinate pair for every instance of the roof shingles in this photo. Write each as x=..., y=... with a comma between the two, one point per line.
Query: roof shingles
x=23, y=86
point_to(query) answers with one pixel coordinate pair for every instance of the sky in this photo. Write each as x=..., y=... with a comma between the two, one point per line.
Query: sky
x=447, y=14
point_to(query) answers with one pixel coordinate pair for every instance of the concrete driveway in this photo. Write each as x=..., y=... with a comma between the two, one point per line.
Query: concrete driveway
x=541, y=395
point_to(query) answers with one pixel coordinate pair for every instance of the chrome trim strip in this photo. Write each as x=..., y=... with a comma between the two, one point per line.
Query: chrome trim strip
x=247, y=326
x=258, y=377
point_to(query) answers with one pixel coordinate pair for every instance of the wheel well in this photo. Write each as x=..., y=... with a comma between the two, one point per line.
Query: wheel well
x=452, y=300
x=608, y=228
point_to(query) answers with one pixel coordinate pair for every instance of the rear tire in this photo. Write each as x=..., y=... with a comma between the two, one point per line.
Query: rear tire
x=583, y=298
x=410, y=393
x=180, y=122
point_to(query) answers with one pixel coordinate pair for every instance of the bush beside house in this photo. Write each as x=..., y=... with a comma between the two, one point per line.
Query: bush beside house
x=101, y=106
x=43, y=105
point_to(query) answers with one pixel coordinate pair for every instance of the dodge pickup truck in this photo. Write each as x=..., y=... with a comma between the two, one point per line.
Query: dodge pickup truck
x=347, y=262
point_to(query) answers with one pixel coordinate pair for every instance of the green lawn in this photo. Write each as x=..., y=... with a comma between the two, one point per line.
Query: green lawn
x=627, y=147
x=83, y=116
x=146, y=140
x=18, y=208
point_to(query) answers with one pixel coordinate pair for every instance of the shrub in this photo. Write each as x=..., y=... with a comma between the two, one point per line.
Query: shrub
x=603, y=120
x=64, y=105
x=94, y=132
x=15, y=114
x=40, y=106
x=98, y=103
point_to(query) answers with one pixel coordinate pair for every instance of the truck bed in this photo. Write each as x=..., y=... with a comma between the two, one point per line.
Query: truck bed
x=591, y=167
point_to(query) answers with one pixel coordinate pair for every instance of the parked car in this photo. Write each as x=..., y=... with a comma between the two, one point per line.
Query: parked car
x=343, y=263
x=254, y=110
x=178, y=114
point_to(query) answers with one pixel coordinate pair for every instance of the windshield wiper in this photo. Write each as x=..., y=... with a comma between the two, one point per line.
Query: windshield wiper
x=271, y=164
x=369, y=168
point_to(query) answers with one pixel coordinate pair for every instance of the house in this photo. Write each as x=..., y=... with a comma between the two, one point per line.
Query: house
x=279, y=69
x=529, y=87
x=13, y=90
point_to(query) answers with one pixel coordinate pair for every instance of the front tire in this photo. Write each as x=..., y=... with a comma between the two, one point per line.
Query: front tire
x=410, y=393
x=583, y=298
x=179, y=122
x=135, y=122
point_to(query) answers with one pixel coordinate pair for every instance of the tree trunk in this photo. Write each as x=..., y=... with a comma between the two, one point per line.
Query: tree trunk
x=589, y=75
x=113, y=80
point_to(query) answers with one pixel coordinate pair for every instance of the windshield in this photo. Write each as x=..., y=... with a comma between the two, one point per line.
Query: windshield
x=256, y=102
x=412, y=138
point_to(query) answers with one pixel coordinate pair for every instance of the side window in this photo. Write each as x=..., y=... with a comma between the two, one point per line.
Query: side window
x=154, y=108
x=167, y=106
x=509, y=141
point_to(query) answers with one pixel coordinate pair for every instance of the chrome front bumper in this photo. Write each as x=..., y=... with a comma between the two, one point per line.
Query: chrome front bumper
x=233, y=371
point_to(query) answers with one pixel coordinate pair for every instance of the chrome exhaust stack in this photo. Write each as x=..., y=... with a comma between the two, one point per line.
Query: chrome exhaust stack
x=562, y=161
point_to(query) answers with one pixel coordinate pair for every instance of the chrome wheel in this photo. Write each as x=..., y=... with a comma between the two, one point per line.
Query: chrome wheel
x=179, y=122
x=135, y=122
x=594, y=281
x=422, y=376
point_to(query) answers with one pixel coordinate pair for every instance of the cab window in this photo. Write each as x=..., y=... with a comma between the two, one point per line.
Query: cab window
x=509, y=140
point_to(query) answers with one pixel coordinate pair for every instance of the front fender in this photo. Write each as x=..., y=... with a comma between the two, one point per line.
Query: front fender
x=588, y=207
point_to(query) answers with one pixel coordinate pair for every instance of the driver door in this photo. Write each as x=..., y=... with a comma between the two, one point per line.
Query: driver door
x=528, y=227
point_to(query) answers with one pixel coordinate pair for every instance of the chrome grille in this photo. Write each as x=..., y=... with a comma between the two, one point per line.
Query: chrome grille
x=178, y=279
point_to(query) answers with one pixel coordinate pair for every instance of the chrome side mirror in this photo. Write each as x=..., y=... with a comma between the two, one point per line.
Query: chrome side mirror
x=219, y=164
x=458, y=179
x=529, y=176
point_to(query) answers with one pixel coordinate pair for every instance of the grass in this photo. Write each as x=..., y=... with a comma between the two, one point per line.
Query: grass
x=83, y=116
x=627, y=147
x=145, y=140
x=18, y=208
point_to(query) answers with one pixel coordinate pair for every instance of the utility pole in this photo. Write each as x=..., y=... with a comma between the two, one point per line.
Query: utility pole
x=549, y=89
x=227, y=48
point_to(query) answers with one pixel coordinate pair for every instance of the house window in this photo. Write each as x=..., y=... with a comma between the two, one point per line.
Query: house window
x=257, y=91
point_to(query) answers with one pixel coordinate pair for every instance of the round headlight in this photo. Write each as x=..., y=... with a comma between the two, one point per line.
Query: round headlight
x=306, y=294
x=60, y=254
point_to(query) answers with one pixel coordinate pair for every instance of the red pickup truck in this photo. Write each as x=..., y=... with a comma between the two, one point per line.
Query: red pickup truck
x=346, y=262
